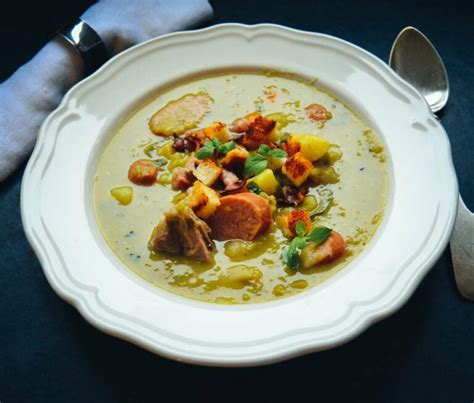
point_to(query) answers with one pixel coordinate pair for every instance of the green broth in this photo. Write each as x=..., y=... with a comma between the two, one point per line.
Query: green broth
x=357, y=209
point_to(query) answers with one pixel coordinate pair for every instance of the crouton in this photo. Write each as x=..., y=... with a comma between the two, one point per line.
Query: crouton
x=287, y=222
x=203, y=200
x=297, y=168
x=235, y=159
x=207, y=172
x=257, y=132
x=219, y=130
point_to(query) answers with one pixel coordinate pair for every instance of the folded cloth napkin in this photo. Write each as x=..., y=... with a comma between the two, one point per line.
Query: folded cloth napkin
x=36, y=88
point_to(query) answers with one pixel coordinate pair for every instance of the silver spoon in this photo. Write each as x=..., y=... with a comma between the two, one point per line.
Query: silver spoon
x=416, y=60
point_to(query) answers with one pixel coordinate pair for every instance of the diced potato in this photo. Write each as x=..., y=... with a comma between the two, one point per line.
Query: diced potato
x=207, y=172
x=180, y=115
x=312, y=147
x=237, y=277
x=203, y=200
x=123, y=194
x=166, y=150
x=275, y=163
x=235, y=159
x=266, y=181
x=297, y=168
x=219, y=130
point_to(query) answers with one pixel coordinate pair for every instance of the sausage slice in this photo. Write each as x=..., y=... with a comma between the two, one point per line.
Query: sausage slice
x=240, y=216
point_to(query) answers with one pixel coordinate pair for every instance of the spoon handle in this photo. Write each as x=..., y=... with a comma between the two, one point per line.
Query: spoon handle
x=462, y=250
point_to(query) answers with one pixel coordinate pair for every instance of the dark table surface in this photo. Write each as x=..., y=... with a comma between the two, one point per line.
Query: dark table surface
x=423, y=353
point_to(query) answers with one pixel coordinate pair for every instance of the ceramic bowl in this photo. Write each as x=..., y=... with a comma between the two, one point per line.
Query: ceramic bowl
x=60, y=224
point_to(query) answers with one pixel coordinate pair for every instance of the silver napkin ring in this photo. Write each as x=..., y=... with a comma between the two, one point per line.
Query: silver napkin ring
x=88, y=44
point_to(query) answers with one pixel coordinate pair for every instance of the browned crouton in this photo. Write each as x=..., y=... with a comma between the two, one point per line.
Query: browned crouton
x=297, y=168
x=203, y=200
x=287, y=222
x=235, y=159
x=257, y=132
x=207, y=172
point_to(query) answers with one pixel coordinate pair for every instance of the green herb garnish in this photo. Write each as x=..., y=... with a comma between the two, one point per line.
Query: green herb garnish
x=317, y=235
x=212, y=146
x=254, y=188
x=258, y=162
x=268, y=152
x=254, y=164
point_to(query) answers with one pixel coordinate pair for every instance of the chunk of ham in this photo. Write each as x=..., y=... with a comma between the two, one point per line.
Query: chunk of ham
x=182, y=179
x=231, y=181
x=181, y=232
x=331, y=249
x=240, y=216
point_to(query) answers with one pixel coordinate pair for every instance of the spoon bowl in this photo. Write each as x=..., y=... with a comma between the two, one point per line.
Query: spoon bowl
x=415, y=59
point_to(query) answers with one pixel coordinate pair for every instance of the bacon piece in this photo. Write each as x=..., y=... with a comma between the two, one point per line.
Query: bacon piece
x=292, y=196
x=231, y=181
x=182, y=179
x=241, y=125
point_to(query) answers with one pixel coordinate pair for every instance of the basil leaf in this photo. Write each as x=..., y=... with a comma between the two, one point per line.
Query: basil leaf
x=217, y=143
x=291, y=256
x=255, y=164
x=278, y=153
x=206, y=150
x=319, y=234
x=254, y=188
x=264, y=150
x=300, y=228
x=226, y=147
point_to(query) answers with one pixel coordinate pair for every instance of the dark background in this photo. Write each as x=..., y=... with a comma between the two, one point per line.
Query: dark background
x=423, y=353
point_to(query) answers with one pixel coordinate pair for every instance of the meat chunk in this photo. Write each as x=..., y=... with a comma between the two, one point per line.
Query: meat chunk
x=231, y=181
x=241, y=125
x=331, y=249
x=318, y=113
x=143, y=172
x=182, y=179
x=181, y=232
x=240, y=216
x=292, y=196
x=255, y=127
